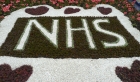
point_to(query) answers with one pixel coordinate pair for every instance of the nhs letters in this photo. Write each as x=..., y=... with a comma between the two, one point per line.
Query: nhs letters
x=69, y=37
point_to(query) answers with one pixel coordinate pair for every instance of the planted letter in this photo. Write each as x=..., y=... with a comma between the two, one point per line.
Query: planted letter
x=50, y=36
x=121, y=40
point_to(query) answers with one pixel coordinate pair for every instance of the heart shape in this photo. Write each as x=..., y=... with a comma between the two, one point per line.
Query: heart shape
x=104, y=11
x=37, y=11
x=18, y=75
x=129, y=75
x=71, y=10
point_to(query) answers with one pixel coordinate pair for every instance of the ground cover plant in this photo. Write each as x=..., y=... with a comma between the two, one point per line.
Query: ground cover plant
x=20, y=74
x=8, y=6
x=35, y=45
x=129, y=75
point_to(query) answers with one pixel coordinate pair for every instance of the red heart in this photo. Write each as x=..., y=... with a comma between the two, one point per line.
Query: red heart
x=18, y=75
x=129, y=75
x=71, y=10
x=37, y=11
x=104, y=11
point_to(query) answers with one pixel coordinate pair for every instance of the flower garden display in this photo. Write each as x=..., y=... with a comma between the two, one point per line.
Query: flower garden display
x=70, y=44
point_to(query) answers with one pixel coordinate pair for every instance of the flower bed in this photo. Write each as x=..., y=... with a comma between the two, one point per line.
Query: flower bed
x=39, y=45
x=37, y=32
x=8, y=6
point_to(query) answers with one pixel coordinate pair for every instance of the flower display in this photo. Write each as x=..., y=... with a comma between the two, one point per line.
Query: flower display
x=8, y=6
x=50, y=44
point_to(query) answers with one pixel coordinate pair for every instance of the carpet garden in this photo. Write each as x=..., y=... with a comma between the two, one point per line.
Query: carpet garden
x=71, y=44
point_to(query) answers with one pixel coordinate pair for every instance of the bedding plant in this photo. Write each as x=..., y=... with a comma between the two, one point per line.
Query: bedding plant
x=125, y=74
x=129, y=75
x=8, y=6
x=35, y=46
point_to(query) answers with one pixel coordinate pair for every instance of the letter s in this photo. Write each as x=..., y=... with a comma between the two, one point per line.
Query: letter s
x=121, y=40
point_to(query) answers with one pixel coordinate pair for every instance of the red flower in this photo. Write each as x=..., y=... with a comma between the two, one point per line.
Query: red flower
x=6, y=8
x=106, y=0
x=62, y=1
x=73, y=1
x=87, y=5
x=2, y=1
x=138, y=14
x=53, y=1
x=130, y=9
x=124, y=13
x=93, y=0
x=17, y=1
x=138, y=18
x=133, y=17
x=111, y=1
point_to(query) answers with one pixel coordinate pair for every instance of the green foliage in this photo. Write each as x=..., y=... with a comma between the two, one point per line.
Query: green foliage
x=7, y=1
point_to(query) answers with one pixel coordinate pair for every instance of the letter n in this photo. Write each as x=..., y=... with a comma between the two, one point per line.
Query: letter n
x=52, y=37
